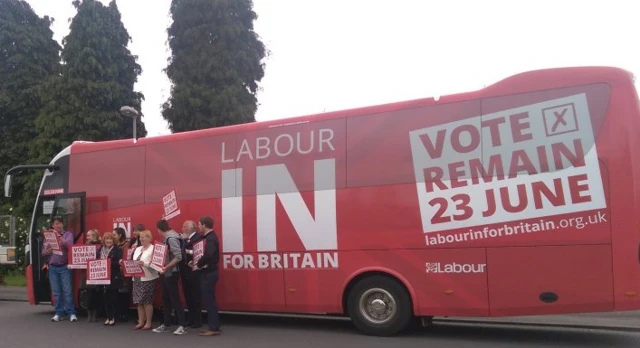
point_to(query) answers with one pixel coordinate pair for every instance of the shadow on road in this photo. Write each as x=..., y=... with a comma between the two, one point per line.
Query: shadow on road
x=485, y=335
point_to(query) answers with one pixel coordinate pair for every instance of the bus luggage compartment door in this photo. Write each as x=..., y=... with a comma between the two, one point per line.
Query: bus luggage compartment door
x=550, y=279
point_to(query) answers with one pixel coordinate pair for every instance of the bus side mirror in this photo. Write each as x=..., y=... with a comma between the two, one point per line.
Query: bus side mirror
x=7, y=185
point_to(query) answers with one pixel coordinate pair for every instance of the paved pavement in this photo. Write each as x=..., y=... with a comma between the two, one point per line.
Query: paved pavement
x=30, y=326
x=13, y=293
x=625, y=321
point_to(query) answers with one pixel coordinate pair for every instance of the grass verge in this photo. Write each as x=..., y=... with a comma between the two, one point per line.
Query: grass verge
x=14, y=279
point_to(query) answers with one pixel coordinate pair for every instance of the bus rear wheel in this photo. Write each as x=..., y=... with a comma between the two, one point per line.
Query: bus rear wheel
x=380, y=306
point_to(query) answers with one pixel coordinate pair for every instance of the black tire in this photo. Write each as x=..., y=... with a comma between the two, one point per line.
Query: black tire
x=399, y=319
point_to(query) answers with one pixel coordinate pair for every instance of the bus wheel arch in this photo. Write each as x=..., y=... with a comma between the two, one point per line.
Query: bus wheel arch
x=385, y=290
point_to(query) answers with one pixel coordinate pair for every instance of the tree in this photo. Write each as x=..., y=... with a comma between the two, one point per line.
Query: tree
x=98, y=76
x=28, y=56
x=216, y=64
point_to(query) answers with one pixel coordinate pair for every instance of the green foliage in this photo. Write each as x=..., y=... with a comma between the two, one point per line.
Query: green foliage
x=46, y=104
x=28, y=56
x=98, y=76
x=216, y=64
x=21, y=236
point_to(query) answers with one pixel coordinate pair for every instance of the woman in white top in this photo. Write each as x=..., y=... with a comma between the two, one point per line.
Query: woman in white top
x=143, y=287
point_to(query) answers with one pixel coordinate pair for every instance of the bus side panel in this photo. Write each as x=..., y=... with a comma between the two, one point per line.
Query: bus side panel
x=527, y=181
x=196, y=180
x=113, y=181
x=442, y=282
x=621, y=139
x=550, y=280
x=579, y=274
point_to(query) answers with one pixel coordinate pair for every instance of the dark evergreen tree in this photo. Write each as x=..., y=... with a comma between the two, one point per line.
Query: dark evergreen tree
x=28, y=57
x=98, y=76
x=216, y=64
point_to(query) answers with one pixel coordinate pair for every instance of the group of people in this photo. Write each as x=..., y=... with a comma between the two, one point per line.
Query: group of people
x=198, y=278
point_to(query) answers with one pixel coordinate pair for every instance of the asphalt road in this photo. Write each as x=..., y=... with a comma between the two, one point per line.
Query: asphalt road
x=22, y=325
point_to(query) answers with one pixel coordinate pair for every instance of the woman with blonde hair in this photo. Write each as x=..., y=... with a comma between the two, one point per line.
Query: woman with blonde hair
x=144, y=287
x=93, y=296
x=110, y=250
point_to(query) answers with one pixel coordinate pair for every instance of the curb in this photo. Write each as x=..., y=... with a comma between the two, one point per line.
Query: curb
x=531, y=324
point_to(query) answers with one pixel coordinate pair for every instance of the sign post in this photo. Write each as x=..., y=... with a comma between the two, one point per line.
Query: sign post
x=51, y=239
x=158, y=257
x=80, y=255
x=198, y=251
x=99, y=272
x=131, y=268
x=170, y=202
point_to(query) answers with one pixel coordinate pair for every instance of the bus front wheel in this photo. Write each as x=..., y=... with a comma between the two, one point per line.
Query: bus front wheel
x=380, y=306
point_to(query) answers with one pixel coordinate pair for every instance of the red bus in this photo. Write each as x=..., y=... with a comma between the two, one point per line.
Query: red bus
x=517, y=199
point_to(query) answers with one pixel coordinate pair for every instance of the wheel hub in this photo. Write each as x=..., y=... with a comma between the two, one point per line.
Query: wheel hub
x=378, y=306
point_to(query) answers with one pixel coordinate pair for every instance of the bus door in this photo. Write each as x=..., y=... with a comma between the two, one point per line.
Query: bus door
x=41, y=218
x=71, y=208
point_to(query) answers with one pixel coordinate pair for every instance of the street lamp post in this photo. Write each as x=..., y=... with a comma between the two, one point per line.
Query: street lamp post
x=133, y=113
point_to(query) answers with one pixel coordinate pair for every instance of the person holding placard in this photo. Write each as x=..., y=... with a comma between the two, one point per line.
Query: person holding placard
x=190, y=279
x=122, y=311
x=93, y=297
x=207, y=265
x=112, y=252
x=144, y=287
x=60, y=275
x=169, y=275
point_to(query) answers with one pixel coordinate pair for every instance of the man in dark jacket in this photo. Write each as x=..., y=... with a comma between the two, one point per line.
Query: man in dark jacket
x=207, y=266
x=191, y=279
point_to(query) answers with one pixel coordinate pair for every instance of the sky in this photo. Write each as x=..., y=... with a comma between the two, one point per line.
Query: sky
x=338, y=54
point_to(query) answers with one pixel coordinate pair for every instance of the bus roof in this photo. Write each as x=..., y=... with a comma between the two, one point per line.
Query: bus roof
x=519, y=83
